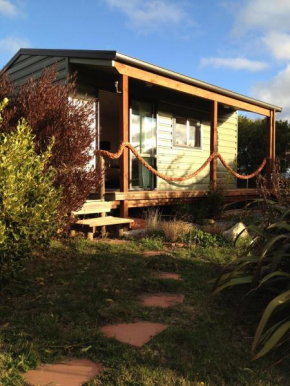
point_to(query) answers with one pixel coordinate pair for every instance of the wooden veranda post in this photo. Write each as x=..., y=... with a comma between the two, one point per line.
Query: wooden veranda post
x=101, y=167
x=102, y=191
x=213, y=144
x=124, y=137
x=271, y=148
x=273, y=139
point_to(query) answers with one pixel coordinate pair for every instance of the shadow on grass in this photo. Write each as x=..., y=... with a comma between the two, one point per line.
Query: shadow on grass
x=56, y=307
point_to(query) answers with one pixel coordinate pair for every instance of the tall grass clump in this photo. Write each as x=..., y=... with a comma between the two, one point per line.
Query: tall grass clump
x=175, y=230
x=153, y=219
x=172, y=230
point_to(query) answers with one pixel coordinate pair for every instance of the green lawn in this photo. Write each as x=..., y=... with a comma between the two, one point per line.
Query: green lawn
x=54, y=310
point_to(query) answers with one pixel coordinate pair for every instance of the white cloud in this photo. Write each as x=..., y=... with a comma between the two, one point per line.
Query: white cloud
x=146, y=16
x=8, y=9
x=276, y=91
x=263, y=15
x=12, y=44
x=234, y=64
x=279, y=45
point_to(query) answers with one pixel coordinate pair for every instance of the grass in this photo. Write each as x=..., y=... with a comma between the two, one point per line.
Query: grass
x=54, y=310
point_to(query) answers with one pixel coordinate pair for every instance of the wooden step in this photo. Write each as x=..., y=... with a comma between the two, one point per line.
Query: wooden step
x=104, y=221
x=94, y=206
x=89, y=225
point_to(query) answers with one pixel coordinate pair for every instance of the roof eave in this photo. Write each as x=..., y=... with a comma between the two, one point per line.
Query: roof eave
x=114, y=55
x=162, y=71
x=93, y=54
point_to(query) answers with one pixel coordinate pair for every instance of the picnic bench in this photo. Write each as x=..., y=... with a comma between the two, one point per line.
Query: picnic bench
x=89, y=225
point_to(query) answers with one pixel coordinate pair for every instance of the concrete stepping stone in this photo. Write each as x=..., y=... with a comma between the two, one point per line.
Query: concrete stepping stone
x=166, y=275
x=72, y=373
x=136, y=334
x=161, y=300
x=155, y=253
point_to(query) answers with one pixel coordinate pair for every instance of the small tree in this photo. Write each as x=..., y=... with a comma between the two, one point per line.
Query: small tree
x=49, y=108
x=29, y=202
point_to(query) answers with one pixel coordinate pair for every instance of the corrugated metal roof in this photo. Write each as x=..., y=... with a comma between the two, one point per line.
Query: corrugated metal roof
x=116, y=56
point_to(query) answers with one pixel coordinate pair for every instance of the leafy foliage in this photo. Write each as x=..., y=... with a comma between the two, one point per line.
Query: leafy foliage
x=266, y=266
x=51, y=110
x=28, y=201
x=215, y=199
x=252, y=143
x=205, y=239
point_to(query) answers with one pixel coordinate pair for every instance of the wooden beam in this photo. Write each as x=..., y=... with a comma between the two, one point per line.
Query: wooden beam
x=174, y=197
x=270, y=148
x=274, y=137
x=134, y=196
x=213, y=144
x=124, y=137
x=160, y=80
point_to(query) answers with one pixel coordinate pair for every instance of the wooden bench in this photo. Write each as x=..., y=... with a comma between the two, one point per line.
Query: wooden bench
x=89, y=225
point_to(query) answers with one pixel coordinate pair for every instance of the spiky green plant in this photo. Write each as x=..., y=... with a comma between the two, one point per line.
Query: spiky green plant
x=265, y=265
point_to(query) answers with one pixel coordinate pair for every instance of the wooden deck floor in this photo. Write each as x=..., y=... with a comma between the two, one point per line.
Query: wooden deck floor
x=154, y=198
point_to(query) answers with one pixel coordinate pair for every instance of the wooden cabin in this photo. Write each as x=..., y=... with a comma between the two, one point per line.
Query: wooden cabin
x=175, y=122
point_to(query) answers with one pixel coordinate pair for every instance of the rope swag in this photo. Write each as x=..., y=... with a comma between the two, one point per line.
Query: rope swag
x=128, y=145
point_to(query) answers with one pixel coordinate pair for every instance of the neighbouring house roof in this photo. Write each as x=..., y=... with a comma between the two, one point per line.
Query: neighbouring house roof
x=118, y=57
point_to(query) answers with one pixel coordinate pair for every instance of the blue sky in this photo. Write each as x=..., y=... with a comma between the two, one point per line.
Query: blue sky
x=241, y=45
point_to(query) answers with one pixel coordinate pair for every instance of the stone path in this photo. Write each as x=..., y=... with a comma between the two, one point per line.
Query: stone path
x=161, y=300
x=136, y=334
x=73, y=373
x=166, y=275
x=77, y=372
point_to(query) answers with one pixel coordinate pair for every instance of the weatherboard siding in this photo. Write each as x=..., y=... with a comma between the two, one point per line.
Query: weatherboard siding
x=228, y=147
x=27, y=66
x=176, y=161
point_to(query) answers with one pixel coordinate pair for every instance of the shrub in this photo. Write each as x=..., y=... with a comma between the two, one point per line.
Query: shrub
x=209, y=207
x=28, y=201
x=204, y=239
x=51, y=111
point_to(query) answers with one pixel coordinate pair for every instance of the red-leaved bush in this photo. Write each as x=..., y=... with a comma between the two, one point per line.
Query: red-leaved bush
x=49, y=108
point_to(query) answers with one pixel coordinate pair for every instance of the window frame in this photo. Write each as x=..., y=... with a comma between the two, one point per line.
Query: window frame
x=152, y=156
x=188, y=120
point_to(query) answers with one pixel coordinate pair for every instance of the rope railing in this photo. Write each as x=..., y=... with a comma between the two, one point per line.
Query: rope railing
x=128, y=145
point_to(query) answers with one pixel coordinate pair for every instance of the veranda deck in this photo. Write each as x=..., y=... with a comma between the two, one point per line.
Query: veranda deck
x=155, y=198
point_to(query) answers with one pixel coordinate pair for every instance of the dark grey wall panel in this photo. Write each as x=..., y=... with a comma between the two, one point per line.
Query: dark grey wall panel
x=26, y=63
x=28, y=66
x=21, y=57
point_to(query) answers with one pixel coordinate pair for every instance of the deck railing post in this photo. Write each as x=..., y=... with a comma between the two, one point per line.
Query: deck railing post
x=271, y=139
x=213, y=144
x=101, y=171
x=124, y=137
x=102, y=190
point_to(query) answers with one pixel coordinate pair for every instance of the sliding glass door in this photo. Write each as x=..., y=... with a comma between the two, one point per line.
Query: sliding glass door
x=143, y=138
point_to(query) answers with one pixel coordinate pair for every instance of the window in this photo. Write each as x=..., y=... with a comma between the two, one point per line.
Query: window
x=187, y=132
x=143, y=138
